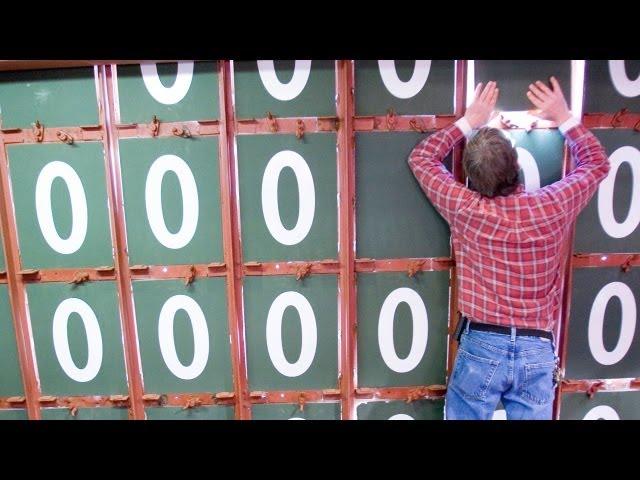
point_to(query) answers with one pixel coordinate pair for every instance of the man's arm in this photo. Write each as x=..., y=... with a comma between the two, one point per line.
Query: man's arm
x=425, y=160
x=436, y=181
x=571, y=194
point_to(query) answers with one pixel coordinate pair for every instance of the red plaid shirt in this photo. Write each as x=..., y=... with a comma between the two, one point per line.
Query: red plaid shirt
x=509, y=249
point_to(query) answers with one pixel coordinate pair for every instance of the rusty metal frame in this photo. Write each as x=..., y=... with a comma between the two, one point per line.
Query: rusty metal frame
x=232, y=240
x=346, y=266
x=119, y=238
x=16, y=290
x=345, y=104
x=622, y=119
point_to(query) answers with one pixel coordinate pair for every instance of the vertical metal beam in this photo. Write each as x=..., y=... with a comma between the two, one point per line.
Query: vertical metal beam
x=119, y=242
x=231, y=241
x=17, y=293
x=346, y=234
x=458, y=173
x=577, y=101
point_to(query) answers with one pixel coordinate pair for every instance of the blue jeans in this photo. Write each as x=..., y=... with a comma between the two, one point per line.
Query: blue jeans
x=490, y=367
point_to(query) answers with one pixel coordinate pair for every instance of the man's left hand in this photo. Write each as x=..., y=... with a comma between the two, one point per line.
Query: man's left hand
x=480, y=111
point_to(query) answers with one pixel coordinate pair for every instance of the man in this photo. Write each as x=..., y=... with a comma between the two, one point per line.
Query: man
x=508, y=247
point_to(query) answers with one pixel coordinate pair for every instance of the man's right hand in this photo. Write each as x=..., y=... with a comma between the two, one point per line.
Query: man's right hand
x=551, y=104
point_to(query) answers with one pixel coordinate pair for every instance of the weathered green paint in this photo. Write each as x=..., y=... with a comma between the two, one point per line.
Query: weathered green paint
x=63, y=97
x=575, y=406
x=137, y=105
x=201, y=156
x=373, y=289
x=514, y=76
x=287, y=411
x=43, y=300
x=252, y=100
x=418, y=410
x=10, y=378
x=321, y=293
x=435, y=97
x=546, y=147
x=200, y=413
x=319, y=152
x=581, y=364
x=590, y=236
x=393, y=215
x=85, y=414
x=13, y=414
x=210, y=295
x=87, y=160
x=600, y=95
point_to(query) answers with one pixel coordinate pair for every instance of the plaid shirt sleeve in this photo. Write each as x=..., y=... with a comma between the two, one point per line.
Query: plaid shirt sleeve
x=571, y=194
x=425, y=161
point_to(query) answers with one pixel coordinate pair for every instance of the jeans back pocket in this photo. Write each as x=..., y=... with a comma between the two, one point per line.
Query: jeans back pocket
x=538, y=384
x=472, y=374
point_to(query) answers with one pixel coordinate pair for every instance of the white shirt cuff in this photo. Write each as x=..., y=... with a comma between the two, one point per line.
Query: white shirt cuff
x=463, y=125
x=568, y=125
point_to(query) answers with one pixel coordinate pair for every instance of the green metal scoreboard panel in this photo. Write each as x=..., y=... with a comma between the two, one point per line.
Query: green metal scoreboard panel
x=601, y=406
x=398, y=410
x=601, y=335
x=10, y=378
x=611, y=221
x=245, y=239
x=514, y=77
x=284, y=411
x=612, y=85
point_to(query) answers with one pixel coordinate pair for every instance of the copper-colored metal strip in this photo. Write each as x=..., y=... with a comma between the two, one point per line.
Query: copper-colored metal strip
x=53, y=134
x=147, y=272
x=289, y=126
x=403, y=123
x=17, y=294
x=231, y=239
x=620, y=119
x=296, y=396
x=458, y=174
x=585, y=260
x=184, y=130
x=408, y=394
x=322, y=267
x=434, y=264
x=346, y=235
x=119, y=239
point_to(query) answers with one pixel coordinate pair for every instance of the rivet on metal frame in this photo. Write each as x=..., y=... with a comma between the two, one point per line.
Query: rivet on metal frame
x=391, y=119
x=64, y=137
x=617, y=117
x=301, y=401
x=300, y=129
x=415, y=267
x=38, y=131
x=181, y=132
x=79, y=278
x=154, y=126
x=303, y=271
x=626, y=266
x=418, y=127
x=593, y=388
x=190, y=276
x=192, y=402
x=506, y=123
x=417, y=394
x=273, y=125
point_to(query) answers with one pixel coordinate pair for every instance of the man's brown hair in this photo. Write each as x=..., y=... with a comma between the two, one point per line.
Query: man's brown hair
x=491, y=163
